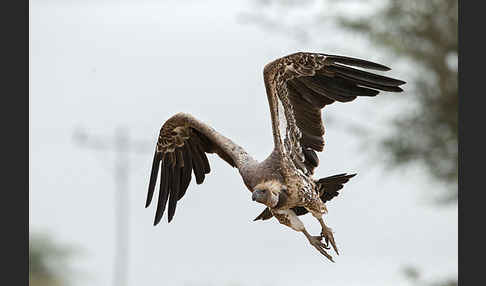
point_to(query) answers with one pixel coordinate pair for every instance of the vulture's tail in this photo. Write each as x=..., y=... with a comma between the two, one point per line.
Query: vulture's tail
x=329, y=187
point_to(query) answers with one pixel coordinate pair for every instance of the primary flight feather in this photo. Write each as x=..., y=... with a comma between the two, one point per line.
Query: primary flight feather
x=298, y=86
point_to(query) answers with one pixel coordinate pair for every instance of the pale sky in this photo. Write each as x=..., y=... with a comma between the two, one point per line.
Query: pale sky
x=101, y=65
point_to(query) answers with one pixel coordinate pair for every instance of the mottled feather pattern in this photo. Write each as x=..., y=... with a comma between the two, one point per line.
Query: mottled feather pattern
x=302, y=84
x=181, y=149
x=306, y=82
x=298, y=87
x=288, y=68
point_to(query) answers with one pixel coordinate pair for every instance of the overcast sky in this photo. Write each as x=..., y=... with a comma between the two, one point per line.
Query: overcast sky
x=102, y=65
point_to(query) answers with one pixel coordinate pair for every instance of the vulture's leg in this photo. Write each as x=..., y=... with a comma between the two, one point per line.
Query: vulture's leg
x=316, y=242
x=290, y=219
x=326, y=231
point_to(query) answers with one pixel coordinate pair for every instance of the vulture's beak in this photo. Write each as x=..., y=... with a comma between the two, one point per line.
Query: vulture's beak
x=257, y=195
x=254, y=196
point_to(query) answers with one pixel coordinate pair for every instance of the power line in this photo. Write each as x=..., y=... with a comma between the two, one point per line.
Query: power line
x=123, y=146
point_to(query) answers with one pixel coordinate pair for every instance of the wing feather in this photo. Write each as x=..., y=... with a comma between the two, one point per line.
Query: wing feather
x=356, y=62
x=186, y=170
x=196, y=162
x=199, y=147
x=323, y=88
x=181, y=150
x=364, y=75
x=163, y=194
x=174, y=192
x=153, y=177
x=311, y=81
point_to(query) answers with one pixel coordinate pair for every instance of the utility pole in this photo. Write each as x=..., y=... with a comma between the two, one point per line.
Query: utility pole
x=123, y=147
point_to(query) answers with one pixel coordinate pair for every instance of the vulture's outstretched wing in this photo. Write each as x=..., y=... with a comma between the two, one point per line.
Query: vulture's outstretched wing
x=301, y=84
x=181, y=149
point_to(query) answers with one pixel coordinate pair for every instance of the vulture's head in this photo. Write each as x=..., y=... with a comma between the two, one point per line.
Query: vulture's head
x=269, y=193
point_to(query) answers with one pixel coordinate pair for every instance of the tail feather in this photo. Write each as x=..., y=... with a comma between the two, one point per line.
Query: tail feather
x=328, y=187
x=266, y=214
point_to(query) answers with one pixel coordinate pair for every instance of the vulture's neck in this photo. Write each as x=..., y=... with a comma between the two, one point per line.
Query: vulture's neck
x=255, y=172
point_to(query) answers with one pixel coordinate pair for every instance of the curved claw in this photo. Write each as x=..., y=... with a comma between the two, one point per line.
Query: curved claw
x=321, y=247
x=329, y=237
x=319, y=238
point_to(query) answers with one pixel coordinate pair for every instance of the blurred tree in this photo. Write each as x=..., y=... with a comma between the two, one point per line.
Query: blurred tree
x=413, y=275
x=424, y=32
x=47, y=261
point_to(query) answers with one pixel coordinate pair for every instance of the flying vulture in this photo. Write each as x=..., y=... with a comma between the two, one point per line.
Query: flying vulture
x=298, y=86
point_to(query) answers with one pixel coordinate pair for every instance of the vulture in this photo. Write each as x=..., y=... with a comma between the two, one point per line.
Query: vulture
x=298, y=86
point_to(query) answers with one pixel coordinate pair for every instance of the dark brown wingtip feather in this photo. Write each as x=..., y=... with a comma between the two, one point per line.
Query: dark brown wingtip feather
x=186, y=171
x=370, y=84
x=163, y=194
x=345, y=88
x=199, y=146
x=308, y=94
x=324, y=89
x=174, y=193
x=153, y=177
x=197, y=162
x=357, y=62
x=364, y=75
x=314, y=142
x=311, y=157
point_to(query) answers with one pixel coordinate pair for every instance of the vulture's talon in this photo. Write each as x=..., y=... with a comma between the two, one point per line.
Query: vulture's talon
x=329, y=238
x=321, y=247
x=301, y=84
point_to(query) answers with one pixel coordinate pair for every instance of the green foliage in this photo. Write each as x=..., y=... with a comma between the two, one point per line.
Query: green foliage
x=426, y=33
x=413, y=275
x=47, y=261
x=422, y=32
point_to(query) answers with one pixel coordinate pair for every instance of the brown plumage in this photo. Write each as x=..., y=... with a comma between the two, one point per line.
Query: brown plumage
x=298, y=86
